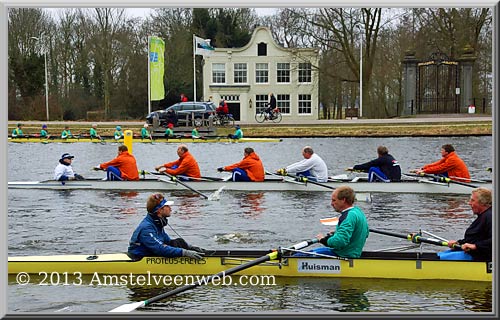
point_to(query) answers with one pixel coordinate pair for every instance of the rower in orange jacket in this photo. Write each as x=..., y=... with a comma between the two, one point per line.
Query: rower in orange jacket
x=248, y=169
x=186, y=165
x=450, y=165
x=123, y=167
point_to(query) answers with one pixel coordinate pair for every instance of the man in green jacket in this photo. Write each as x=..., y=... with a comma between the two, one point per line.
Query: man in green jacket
x=352, y=229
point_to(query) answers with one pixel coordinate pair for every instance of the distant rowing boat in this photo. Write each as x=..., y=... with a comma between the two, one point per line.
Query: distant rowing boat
x=157, y=140
x=388, y=265
x=268, y=185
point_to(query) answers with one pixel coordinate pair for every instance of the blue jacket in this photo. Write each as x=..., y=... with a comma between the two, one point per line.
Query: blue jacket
x=149, y=239
x=387, y=164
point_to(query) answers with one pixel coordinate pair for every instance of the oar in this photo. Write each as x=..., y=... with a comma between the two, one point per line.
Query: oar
x=302, y=180
x=445, y=179
x=270, y=256
x=471, y=180
x=284, y=178
x=143, y=172
x=174, y=178
x=365, y=197
x=415, y=238
x=200, y=179
x=306, y=181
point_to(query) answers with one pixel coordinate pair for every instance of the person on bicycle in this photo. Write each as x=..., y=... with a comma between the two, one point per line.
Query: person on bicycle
x=271, y=106
x=222, y=110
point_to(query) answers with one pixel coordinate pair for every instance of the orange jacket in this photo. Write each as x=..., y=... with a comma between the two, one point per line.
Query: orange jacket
x=451, y=164
x=186, y=165
x=127, y=165
x=252, y=165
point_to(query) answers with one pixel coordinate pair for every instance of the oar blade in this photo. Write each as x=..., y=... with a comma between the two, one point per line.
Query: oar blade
x=129, y=307
x=329, y=221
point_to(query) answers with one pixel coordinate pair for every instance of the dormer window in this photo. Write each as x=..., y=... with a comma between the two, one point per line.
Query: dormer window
x=262, y=49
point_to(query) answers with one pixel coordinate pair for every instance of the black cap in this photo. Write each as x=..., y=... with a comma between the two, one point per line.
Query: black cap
x=67, y=156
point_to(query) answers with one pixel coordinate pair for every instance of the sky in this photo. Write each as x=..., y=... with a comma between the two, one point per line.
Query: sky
x=140, y=12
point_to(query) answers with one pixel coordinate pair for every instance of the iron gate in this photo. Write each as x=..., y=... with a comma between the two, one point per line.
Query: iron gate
x=438, y=86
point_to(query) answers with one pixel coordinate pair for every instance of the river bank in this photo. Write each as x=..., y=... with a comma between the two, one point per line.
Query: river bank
x=455, y=125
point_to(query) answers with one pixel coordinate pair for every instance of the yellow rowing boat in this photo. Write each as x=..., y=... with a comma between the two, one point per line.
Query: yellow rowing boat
x=386, y=265
x=157, y=140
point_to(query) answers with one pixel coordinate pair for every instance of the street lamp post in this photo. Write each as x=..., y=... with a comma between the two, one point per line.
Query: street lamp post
x=360, y=73
x=46, y=78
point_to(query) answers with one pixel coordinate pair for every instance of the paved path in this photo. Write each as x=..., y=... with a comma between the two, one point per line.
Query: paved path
x=285, y=122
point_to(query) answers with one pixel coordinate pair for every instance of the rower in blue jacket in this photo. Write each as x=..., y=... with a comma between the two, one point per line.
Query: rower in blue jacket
x=384, y=168
x=150, y=238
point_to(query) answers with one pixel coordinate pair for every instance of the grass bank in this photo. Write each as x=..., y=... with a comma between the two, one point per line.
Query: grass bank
x=282, y=130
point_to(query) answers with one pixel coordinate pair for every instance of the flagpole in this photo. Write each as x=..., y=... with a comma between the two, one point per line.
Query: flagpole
x=194, y=67
x=149, y=75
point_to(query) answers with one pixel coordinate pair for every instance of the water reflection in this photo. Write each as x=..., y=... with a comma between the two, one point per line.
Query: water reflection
x=47, y=222
x=478, y=300
x=330, y=295
x=186, y=206
x=252, y=204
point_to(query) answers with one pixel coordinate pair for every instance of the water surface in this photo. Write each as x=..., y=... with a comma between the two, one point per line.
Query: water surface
x=47, y=222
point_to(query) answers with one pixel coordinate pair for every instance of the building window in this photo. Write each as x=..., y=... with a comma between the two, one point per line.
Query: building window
x=261, y=73
x=240, y=73
x=283, y=103
x=305, y=73
x=218, y=73
x=233, y=97
x=283, y=73
x=262, y=49
x=305, y=104
x=260, y=102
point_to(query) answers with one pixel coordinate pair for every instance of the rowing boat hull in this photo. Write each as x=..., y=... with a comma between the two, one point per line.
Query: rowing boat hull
x=386, y=265
x=158, y=140
x=268, y=185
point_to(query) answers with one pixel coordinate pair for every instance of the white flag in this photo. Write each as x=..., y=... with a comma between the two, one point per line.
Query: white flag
x=202, y=46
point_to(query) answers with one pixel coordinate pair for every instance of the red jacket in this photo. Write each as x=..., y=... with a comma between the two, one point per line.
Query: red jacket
x=252, y=165
x=451, y=164
x=222, y=108
x=127, y=165
x=186, y=165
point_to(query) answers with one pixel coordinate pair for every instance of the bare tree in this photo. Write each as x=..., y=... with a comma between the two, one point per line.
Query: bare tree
x=108, y=22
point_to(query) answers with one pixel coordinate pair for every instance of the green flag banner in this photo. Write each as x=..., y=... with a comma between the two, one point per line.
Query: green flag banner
x=156, y=67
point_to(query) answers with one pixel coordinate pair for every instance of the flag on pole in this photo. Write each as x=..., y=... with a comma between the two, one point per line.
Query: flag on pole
x=202, y=46
x=156, y=67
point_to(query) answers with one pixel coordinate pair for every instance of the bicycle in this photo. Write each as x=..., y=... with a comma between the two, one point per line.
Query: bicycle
x=263, y=116
x=225, y=120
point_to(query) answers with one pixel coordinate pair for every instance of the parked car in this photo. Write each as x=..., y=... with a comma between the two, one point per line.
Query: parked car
x=184, y=113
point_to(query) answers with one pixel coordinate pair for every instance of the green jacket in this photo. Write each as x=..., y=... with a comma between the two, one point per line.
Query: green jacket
x=169, y=132
x=238, y=134
x=93, y=133
x=144, y=133
x=66, y=134
x=350, y=234
x=17, y=133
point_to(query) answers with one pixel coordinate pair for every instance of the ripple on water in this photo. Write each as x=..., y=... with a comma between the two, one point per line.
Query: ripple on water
x=49, y=222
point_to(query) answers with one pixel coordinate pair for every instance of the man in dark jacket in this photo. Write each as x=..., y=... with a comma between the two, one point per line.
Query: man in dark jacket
x=476, y=244
x=385, y=168
x=150, y=238
x=271, y=105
